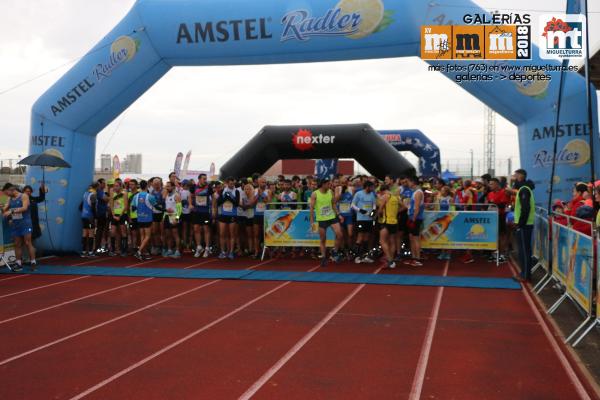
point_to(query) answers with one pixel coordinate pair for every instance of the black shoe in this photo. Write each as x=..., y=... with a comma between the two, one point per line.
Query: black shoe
x=34, y=266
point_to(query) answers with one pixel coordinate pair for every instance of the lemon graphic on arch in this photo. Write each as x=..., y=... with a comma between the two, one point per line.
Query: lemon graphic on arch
x=55, y=153
x=371, y=15
x=536, y=88
x=124, y=43
x=581, y=148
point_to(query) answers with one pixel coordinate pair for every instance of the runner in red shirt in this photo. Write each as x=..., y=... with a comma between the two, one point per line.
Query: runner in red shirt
x=466, y=199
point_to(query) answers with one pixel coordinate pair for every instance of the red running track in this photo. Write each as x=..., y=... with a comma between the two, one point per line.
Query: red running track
x=130, y=338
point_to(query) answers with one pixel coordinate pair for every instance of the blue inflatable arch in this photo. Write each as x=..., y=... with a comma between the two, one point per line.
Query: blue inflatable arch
x=157, y=35
x=415, y=141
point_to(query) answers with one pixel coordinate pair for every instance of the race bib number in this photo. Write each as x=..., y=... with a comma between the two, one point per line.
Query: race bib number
x=17, y=216
x=201, y=201
x=368, y=207
x=173, y=219
x=344, y=208
x=228, y=206
x=250, y=213
x=406, y=202
x=261, y=207
x=326, y=211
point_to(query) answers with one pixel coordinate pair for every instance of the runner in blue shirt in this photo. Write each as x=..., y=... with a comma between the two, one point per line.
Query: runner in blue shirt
x=88, y=217
x=364, y=204
x=344, y=193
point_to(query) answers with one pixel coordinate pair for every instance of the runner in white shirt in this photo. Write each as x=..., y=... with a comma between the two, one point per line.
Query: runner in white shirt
x=186, y=214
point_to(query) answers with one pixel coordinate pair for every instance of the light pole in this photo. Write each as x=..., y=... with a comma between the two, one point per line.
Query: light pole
x=472, y=175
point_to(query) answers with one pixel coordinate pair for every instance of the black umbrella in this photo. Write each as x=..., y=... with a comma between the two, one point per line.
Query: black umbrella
x=44, y=160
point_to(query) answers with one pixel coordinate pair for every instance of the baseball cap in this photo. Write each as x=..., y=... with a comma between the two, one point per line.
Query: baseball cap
x=558, y=204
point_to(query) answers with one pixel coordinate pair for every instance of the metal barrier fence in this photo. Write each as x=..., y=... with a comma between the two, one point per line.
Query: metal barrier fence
x=564, y=248
x=7, y=248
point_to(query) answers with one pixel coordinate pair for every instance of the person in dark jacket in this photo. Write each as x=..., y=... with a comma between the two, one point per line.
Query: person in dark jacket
x=34, y=201
x=524, y=219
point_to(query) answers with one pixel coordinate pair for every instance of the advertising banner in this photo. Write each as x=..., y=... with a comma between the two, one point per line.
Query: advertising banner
x=460, y=230
x=290, y=228
x=580, y=272
x=597, y=277
x=560, y=252
x=541, y=241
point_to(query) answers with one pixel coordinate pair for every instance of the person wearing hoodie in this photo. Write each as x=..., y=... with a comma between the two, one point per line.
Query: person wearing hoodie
x=579, y=192
x=524, y=218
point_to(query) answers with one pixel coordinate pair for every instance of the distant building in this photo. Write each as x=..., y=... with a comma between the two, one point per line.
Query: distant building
x=133, y=164
x=105, y=163
x=304, y=168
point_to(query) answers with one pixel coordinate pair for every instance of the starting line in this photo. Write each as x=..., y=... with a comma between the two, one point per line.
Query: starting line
x=317, y=277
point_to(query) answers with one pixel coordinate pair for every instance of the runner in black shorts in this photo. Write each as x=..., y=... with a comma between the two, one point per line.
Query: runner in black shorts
x=201, y=219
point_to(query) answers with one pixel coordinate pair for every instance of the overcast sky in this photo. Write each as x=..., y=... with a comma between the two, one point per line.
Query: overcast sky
x=215, y=110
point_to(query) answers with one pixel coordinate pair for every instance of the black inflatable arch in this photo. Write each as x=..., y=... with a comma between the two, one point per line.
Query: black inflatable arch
x=358, y=141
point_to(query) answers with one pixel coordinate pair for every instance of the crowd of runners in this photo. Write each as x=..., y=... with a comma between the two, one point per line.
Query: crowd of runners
x=371, y=218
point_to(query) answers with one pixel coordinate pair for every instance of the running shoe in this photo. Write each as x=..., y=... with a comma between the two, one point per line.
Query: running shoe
x=413, y=263
x=467, y=259
x=391, y=264
x=91, y=254
x=502, y=259
x=34, y=265
x=123, y=253
x=206, y=253
x=83, y=255
x=368, y=260
x=112, y=254
x=16, y=267
x=358, y=260
x=323, y=262
x=147, y=257
x=222, y=256
x=176, y=254
x=442, y=256
x=138, y=255
x=231, y=256
x=199, y=251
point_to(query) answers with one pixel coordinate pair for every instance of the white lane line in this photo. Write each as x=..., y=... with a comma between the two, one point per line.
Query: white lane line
x=581, y=391
x=419, y=379
x=81, y=332
x=110, y=321
x=14, y=277
x=64, y=303
x=65, y=281
x=43, y=287
x=299, y=345
x=178, y=342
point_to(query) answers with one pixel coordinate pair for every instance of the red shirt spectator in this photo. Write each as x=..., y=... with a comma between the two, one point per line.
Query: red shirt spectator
x=578, y=199
x=498, y=196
